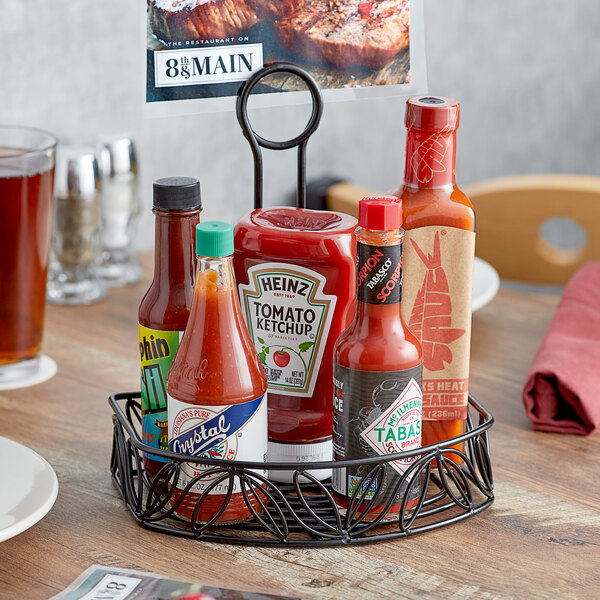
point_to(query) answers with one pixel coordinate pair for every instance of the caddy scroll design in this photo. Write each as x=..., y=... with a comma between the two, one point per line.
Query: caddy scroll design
x=454, y=485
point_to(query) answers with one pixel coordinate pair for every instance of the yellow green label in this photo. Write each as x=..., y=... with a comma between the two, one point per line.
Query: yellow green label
x=157, y=350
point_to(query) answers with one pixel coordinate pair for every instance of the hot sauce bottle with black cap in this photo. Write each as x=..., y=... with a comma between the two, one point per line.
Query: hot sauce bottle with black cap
x=377, y=371
x=438, y=263
x=165, y=308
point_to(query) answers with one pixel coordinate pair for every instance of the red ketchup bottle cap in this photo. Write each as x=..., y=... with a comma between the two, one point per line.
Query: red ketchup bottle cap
x=432, y=113
x=380, y=213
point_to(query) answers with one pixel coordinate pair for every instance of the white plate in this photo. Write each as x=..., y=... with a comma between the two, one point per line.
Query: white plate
x=28, y=488
x=485, y=283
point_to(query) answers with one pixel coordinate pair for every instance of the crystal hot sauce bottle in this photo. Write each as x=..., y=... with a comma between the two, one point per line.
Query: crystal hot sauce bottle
x=216, y=386
x=377, y=369
x=438, y=263
x=165, y=308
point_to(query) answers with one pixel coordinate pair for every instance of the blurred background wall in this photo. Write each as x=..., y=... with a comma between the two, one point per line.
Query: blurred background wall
x=526, y=73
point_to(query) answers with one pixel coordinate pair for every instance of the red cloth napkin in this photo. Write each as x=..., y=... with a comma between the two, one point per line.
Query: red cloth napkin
x=562, y=391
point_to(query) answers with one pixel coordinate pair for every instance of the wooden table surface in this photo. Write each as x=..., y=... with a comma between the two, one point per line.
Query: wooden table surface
x=540, y=538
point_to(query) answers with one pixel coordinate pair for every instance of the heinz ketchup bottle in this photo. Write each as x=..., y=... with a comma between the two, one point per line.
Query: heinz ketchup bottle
x=295, y=270
x=377, y=369
x=216, y=385
x=438, y=263
x=165, y=308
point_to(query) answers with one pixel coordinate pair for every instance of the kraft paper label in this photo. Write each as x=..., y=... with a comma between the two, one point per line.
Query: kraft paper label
x=436, y=306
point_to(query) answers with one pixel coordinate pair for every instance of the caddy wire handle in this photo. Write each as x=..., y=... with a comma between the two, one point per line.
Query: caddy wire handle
x=256, y=141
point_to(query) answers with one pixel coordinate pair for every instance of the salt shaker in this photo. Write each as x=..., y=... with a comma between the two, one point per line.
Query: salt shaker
x=72, y=278
x=120, y=210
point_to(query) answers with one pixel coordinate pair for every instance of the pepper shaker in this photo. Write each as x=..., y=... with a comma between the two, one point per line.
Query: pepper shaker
x=72, y=278
x=120, y=210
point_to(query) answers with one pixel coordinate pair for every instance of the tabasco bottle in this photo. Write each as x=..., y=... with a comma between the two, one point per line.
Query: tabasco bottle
x=217, y=388
x=377, y=369
x=165, y=308
x=438, y=263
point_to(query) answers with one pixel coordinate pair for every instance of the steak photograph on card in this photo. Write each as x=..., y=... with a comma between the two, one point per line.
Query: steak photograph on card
x=203, y=49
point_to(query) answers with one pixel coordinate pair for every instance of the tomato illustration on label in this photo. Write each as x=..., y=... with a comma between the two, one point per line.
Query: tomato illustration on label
x=277, y=357
x=281, y=358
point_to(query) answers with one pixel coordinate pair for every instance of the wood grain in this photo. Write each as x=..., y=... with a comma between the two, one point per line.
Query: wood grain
x=540, y=539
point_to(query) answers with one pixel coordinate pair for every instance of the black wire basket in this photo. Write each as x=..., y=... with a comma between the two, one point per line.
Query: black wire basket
x=452, y=484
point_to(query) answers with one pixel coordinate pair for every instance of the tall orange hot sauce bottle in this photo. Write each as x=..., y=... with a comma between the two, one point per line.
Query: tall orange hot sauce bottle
x=438, y=263
x=165, y=308
x=216, y=385
x=377, y=369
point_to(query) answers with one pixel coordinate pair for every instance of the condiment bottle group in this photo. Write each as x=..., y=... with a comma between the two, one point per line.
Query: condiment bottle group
x=400, y=371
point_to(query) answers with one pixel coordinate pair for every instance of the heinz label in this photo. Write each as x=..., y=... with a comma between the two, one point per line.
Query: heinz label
x=375, y=413
x=379, y=274
x=231, y=432
x=288, y=317
x=157, y=350
x=438, y=286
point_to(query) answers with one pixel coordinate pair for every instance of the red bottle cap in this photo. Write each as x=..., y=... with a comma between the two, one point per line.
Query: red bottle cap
x=380, y=213
x=432, y=113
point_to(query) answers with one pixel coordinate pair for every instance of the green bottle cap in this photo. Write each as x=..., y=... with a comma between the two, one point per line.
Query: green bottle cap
x=214, y=239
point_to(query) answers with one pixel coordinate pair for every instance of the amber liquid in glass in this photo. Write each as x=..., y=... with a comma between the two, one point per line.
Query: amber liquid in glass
x=26, y=206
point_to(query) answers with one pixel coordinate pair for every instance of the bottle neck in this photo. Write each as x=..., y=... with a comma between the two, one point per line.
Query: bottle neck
x=174, y=247
x=430, y=157
x=215, y=275
x=379, y=273
x=215, y=296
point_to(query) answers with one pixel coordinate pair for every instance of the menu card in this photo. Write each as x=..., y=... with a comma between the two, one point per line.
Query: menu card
x=108, y=583
x=198, y=52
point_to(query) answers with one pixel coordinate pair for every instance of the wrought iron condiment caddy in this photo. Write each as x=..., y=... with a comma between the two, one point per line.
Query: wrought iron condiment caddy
x=454, y=484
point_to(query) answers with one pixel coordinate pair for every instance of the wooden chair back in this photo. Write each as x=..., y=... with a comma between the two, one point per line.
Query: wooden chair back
x=509, y=215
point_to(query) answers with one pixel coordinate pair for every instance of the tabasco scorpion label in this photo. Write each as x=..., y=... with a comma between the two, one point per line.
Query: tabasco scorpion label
x=288, y=317
x=379, y=277
x=375, y=413
x=438, y=286
x=157, y=351
x=229, y=432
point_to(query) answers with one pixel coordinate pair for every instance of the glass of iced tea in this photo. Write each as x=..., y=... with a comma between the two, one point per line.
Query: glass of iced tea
x=26, y=206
